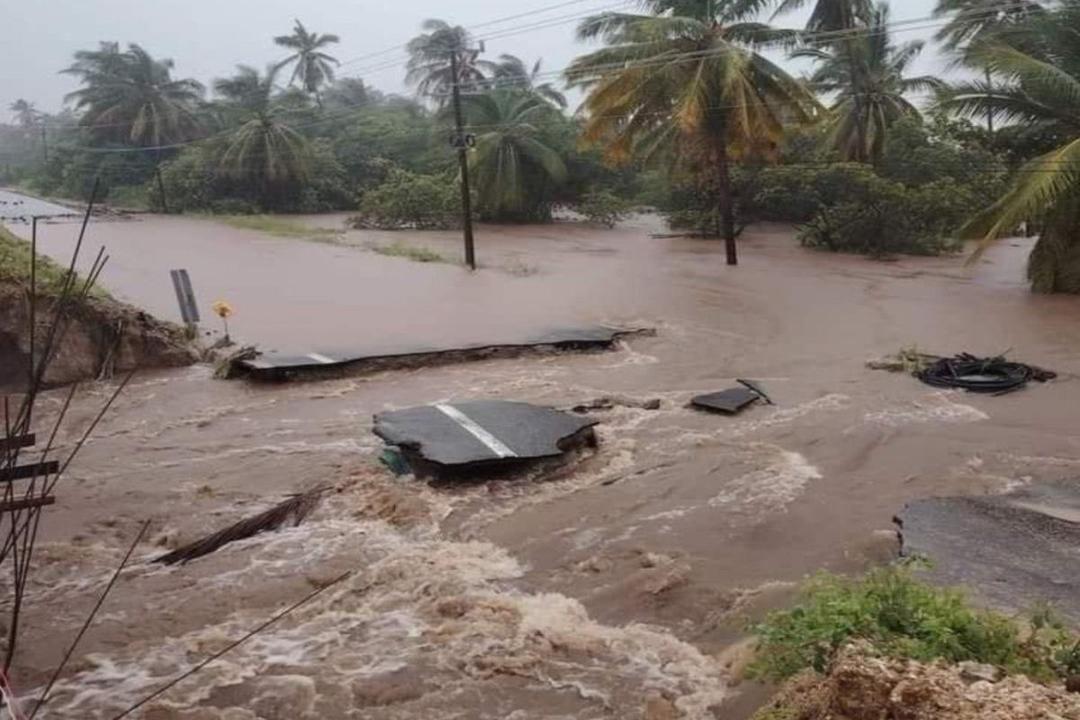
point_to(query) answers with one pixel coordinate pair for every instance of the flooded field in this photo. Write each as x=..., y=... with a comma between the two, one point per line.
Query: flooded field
x=617, y=587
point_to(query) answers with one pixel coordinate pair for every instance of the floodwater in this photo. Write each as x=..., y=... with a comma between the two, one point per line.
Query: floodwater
x=617, y=587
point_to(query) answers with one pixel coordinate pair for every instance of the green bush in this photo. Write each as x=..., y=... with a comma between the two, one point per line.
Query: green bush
x=903, y=617
x=603, y=208
x=892, y=219
x=407, y=200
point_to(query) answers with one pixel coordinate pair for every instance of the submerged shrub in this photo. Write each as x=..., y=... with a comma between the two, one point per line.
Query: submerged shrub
x=903, y=617
x=603, y=208
x=407, y=200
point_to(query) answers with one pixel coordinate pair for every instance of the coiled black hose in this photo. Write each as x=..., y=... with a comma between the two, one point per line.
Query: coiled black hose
x=982, y=375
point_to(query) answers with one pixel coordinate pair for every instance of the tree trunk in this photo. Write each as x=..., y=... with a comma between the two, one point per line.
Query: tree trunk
x=161, y=188
x=989, y=112
x=725, y=198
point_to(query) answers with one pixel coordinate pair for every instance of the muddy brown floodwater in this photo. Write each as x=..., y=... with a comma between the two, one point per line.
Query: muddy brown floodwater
x=619, y=587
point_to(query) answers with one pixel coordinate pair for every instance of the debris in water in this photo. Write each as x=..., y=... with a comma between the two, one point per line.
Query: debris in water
x=994, y=375
x=733, y=401
x=982, y=375
x=480, y=435
x=295, y=509
x=314, y=363
x=610, y=402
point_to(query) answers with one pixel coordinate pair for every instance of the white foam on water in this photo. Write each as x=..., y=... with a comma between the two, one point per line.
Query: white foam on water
x=937, y=408
x=772, y=487
x=416, y=600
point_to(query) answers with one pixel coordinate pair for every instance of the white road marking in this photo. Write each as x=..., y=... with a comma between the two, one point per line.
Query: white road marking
x=322, y=358
x=473, y=428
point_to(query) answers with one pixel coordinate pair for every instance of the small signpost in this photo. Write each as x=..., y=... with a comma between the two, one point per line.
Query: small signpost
x=189, y=309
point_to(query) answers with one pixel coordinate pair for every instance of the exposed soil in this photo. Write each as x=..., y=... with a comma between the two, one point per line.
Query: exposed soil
x=102, y=336
x=862, y=687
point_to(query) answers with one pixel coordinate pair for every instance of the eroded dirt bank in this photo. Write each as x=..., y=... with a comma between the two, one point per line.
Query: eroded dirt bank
x=618, y=588
x=860, y=686
x=102, y=335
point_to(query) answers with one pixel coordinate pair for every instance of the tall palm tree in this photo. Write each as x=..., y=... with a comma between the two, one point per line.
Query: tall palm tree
x=512, y=166
x=868, y=74
x=971, y=21
x=687, y=83
x=511, y=71
x=1038, y=65
x=263, y=151
x=132, y=98
x=832, y=15
x=313, y=67
x=25, y=113
x=429, y=66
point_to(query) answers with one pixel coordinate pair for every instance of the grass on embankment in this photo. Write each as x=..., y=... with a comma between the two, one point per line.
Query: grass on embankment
x=280, y=227
x=905, y=618
x=15, y=266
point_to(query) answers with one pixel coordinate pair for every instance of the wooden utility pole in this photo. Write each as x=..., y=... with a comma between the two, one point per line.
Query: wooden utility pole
x=461, y=141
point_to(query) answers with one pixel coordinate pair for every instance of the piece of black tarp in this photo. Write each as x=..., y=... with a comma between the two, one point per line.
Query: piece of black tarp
x=464, y=435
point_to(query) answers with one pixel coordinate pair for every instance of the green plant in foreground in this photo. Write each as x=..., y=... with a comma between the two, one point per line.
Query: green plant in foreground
x=905, y=618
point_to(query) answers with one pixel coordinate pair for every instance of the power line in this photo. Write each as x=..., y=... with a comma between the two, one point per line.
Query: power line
x=488, y=23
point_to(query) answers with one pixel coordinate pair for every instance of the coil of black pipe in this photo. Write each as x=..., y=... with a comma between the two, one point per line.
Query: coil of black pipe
x=982, y=375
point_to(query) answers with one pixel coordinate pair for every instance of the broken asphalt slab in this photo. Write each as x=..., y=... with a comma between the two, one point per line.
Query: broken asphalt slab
x=466, y=436
x=278, y=366
x=1013, y=551
x=732, y=401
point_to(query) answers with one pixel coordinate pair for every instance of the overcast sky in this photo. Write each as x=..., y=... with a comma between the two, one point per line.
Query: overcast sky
x=208, y=38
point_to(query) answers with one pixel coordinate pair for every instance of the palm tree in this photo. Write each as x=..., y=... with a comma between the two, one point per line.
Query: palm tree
x=511, y=71
x=512, y=166
x=313, y=67
x=868, y=75
x=263, y=150
x=973, y=20
x=130, y=97
x=429, y=66
x=687, y=83
x=25, y=113
x=1038, y=64
x=832, y=15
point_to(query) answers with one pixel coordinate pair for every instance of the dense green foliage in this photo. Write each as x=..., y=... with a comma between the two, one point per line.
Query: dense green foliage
x=903, y=617
x=406, y=200
x=603, y=208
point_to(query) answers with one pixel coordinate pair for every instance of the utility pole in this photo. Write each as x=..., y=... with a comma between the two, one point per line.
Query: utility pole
x=462, y=143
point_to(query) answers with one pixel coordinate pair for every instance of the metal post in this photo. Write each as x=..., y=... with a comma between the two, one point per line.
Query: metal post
x=463, y=161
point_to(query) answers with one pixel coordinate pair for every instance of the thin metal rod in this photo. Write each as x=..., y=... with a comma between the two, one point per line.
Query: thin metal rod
x=33, y=297
x=172, y=683
x=89, y=620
